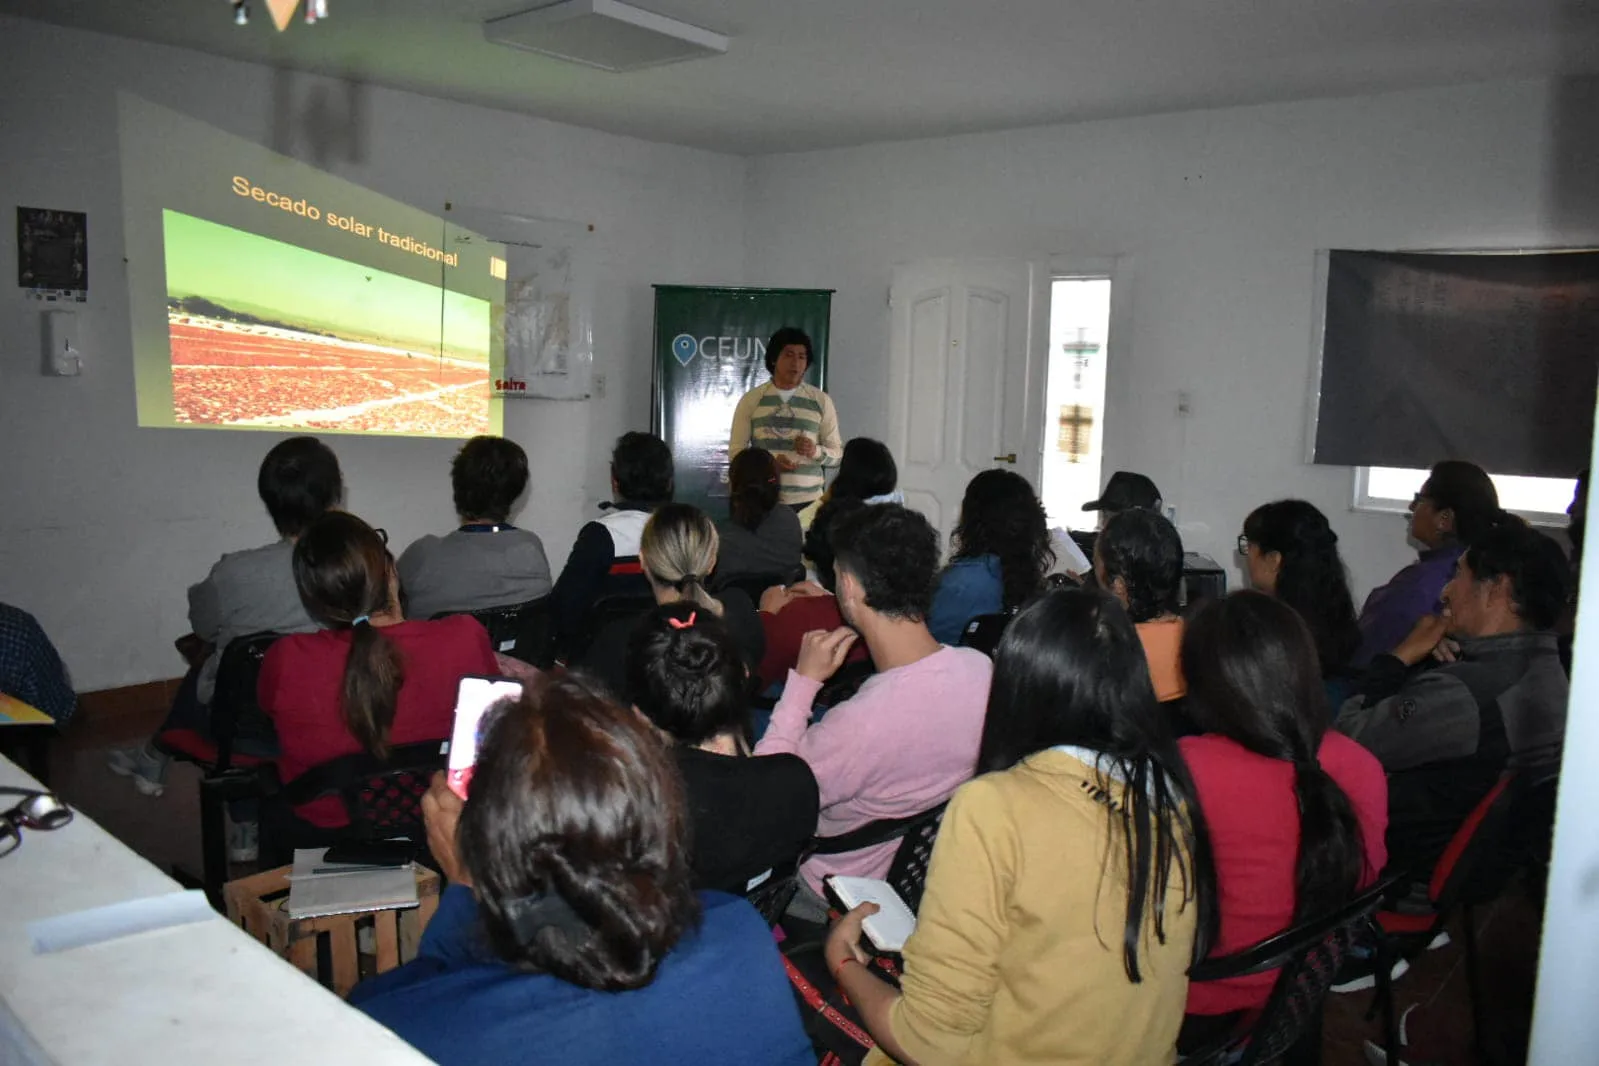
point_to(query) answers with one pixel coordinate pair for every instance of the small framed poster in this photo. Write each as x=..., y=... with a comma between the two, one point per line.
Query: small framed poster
x=53, y=253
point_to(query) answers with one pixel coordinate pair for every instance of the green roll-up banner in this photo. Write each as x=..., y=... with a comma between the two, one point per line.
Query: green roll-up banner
x=710, y=349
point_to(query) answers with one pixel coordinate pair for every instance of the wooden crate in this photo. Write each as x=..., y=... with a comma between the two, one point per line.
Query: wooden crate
x=256, y=903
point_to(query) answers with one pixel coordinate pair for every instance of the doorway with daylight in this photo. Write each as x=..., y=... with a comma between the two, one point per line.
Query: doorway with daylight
x=1074, y=399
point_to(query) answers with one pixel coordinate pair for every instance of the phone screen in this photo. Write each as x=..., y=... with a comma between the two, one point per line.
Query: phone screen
x=472, y=700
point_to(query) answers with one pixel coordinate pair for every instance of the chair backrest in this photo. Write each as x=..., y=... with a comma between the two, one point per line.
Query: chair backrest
x=606, y=609
x=235, y=709
x=1493, y=842
x=984, y=631
x=916, y=834
x=383, y=797
x=1307, y=958
x=523, y=631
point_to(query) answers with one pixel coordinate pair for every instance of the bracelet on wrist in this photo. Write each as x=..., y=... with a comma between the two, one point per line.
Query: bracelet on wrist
x=838, y=970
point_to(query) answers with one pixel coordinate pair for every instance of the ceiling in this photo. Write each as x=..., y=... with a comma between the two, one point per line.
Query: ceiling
x=804, y=74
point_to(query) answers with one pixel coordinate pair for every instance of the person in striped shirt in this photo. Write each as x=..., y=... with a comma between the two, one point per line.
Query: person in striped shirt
x=794, y=421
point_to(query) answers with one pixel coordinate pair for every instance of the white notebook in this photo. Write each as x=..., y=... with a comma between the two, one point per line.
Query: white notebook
x=317, y=889
x=892, y=925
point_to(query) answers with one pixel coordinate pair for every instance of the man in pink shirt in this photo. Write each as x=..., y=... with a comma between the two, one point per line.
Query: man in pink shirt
x=909, y=737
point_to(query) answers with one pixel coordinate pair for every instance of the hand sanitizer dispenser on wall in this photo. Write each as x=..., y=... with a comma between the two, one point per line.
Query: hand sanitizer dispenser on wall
x=62, y=358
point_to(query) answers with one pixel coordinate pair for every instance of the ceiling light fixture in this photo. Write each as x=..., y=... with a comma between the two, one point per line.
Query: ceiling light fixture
x=606, y=34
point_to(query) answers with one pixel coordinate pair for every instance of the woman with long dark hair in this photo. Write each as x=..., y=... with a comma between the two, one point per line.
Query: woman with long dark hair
x=570, y=931
x=369, y=679
x=1067, y=894
x=1291, y=553
x=749, y=815
x=1000, y=553
x=1296, y=812
x=866, y=473
x=759, y=538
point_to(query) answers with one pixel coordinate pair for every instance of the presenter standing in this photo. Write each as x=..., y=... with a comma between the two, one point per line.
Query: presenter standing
x=794, y=421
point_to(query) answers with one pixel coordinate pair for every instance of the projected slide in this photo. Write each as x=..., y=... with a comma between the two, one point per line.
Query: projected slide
x=267, y=294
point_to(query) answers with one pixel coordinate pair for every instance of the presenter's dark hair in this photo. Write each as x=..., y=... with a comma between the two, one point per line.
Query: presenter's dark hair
x=866, y=470
x=819, y=538
x=487, y=476
x=576, y=837
x=1070, y=670
x=1001, y=516
x=1312, y=579
x=782, y=339
x=641, y=463
x=1144, y=550
x=299, y=479
x=343, y=571
x=688, y=677
x=1253, y=677
x=1540, y=577
x=753, y=487
x=893, y=552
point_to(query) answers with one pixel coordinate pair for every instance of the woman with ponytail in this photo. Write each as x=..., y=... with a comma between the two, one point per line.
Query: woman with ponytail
x=759, y=538
x=1296, y=813
x=677, y=551
x=368, y=680
x=749, y=815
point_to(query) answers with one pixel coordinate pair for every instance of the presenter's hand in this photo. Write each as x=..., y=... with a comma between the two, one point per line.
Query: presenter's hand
x=784, y=462
x=805, y=446
x=823, y=651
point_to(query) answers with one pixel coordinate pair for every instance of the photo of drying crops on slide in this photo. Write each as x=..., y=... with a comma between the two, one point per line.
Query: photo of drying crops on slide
x=265, y=334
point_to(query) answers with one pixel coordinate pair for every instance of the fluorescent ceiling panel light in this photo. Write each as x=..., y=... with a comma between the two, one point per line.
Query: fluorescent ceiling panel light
x=607, y=34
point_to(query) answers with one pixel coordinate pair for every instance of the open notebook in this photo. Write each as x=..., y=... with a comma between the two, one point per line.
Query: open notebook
x=892, y=925
x=318, y=888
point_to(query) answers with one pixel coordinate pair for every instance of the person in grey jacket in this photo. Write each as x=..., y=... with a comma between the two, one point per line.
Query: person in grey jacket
x=1469, y=694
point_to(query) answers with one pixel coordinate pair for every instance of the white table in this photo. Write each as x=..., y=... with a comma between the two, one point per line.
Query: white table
x=200, y=993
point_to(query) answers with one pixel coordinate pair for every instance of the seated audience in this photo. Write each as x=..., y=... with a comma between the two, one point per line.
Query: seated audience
x=1446, y=732
x=569, y=932
x=604, y=559
x=759, y=539
x=1291, y=552
x=908, y=737
x=486, y=562
x=1138, y=558
x=788, y=613
x=369, y=680
x=1063, y=902
x=30, y=667
x=1295, y=812
x=866, y=472
x=246, y=592
x=1001, y=553
x=749, y=815
x=1456, y=504
x=677, y=551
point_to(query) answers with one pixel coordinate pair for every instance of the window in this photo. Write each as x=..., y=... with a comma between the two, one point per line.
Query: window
x=1074, y=422
x=1540, y=500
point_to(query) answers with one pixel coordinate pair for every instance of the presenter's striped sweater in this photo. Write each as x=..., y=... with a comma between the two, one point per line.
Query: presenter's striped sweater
x=765, y=420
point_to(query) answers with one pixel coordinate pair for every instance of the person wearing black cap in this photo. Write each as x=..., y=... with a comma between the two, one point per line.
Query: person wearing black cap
x=1125, y=491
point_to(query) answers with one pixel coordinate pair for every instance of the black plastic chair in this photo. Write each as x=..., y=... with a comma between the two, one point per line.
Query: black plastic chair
x=382, y=797
x=524, y=631
x=606, y=610
x=235, y=714
x=984, y=631
x=1308, y=958
x=916, y=834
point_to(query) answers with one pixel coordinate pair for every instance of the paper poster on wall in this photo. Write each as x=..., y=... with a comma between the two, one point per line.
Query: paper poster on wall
x=53, y=253
x=546, y=322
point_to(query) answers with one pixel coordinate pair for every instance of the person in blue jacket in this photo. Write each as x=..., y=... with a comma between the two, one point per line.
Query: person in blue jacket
x=1000, y=554
x=569, y=932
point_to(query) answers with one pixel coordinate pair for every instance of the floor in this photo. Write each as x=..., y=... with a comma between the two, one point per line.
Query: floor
x=165, y=830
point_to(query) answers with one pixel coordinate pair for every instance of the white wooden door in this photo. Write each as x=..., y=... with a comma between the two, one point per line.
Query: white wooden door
x=966, y=367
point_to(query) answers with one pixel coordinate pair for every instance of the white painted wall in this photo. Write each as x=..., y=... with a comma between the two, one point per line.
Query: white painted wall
x=103, y=525
x=1220, y=214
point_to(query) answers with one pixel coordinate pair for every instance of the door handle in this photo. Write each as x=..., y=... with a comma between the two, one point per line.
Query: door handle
x=1011, y=458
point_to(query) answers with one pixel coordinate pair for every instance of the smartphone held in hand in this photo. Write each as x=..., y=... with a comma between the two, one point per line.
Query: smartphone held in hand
x=473, y=698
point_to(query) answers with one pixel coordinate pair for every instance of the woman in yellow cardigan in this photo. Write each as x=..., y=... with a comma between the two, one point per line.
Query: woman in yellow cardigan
x=1069, y=884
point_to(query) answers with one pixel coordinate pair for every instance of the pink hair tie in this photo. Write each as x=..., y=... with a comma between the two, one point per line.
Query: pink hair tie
x=680, y=623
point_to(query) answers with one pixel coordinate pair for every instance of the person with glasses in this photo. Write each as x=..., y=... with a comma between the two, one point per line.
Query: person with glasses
x=246, y=592
x=1457, y=502
x=368, y=680
x=794, y=421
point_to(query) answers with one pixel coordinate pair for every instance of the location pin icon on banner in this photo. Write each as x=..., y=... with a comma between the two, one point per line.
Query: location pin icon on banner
x=684, y=349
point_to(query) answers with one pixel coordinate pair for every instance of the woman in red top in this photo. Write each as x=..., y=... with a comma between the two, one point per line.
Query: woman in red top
x=1296, y=813
x=369, y=679
x=787, y=614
